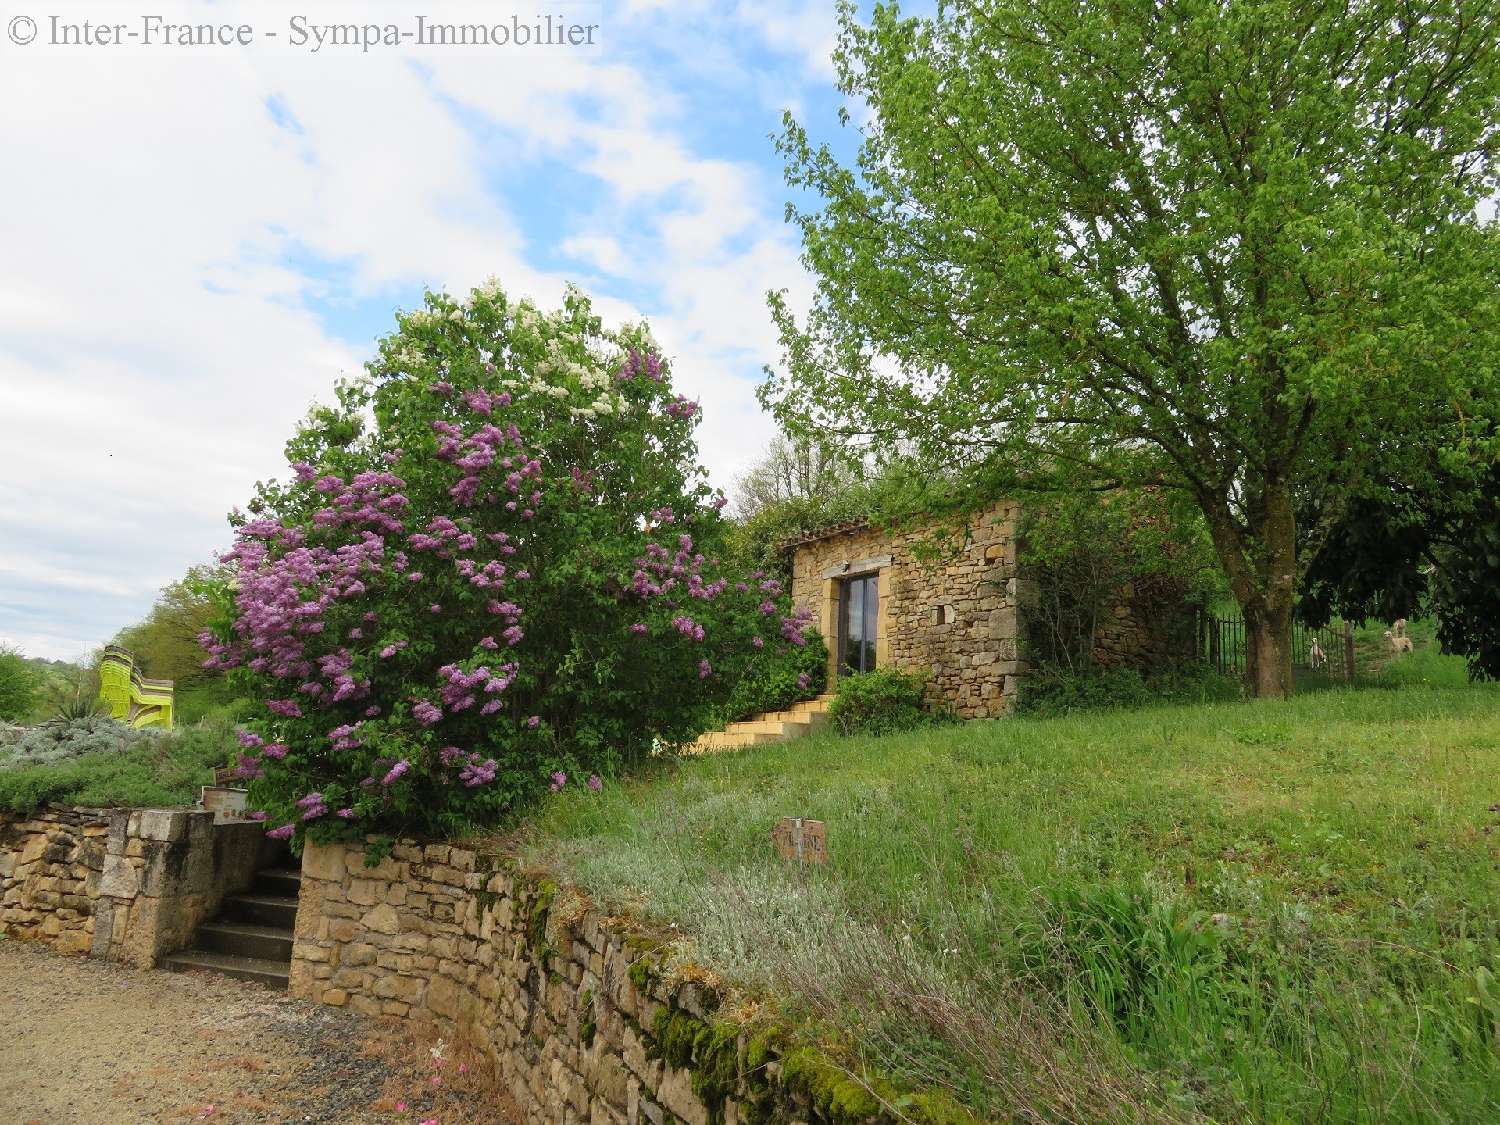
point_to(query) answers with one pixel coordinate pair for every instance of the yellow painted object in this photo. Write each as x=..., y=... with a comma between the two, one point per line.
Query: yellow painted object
x=132, y=698
x=775, y=726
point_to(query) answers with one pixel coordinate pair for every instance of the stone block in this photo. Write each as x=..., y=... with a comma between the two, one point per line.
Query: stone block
x=443, y=997
x=324, y=861
x=365, y=892
x=164, y=825
x=360, y=953
x=119, y=879
x=381, y=920
x=406, y=989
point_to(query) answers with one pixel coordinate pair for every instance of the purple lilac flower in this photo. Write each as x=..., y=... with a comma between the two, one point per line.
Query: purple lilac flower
x=477, y=773
x=427, y=713
x=395, y=772
x=282, y=833
x=346, y=814
x=594, y=783
x=534, y=721
x=559, y=779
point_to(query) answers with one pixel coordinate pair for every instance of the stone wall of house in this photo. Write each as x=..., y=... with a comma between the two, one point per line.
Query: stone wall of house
x=583, y=1019
x=127, y=885
x=955, y=618
x=1147, y=625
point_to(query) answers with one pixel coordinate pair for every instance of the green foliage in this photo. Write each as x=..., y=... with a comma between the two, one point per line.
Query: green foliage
x=1050, y=690
x=883, y=701
x=214, y=699
x=1089, y=552
x=1133, y=958
x=166, y=644
x=65, y=689
x=1246, y=911
x=498, y=567
x=18, y=685
x=778, y=678
x=80, y=707
x=155, y=771
x=1428, y=544
x=1082, y=245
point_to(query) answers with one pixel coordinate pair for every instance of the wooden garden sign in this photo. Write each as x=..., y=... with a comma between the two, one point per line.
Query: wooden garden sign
x=800, y=839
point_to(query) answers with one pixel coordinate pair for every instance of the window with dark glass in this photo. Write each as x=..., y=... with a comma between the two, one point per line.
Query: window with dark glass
x=859, y=607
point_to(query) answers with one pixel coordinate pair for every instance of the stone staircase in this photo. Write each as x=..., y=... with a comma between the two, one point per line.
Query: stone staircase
x=774, y=726
x=252, y=937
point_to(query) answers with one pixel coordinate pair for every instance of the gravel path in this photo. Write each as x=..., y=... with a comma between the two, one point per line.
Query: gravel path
x=93, y=1043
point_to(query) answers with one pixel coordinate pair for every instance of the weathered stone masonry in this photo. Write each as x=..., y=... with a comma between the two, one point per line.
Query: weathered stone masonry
x=575, y=1011
x=127, y=885
x=961, y=619
x=955, y=619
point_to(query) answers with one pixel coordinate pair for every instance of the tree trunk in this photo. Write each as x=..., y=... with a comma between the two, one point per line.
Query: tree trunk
x=1263, y=582
x=1268, y=629
x=1268, y=651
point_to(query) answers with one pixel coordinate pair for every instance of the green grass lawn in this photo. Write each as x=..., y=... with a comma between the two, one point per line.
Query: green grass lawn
x=1276, y=911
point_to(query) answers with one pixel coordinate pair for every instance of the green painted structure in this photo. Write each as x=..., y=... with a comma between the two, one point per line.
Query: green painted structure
x=133, y=698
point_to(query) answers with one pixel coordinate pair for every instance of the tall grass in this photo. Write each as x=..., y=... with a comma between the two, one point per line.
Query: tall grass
x=1269, y=911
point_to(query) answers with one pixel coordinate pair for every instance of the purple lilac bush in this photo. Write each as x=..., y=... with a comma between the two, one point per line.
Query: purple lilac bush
x=494, y=566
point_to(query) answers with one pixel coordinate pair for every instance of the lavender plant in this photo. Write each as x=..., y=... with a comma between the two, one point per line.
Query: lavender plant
x=495, y=564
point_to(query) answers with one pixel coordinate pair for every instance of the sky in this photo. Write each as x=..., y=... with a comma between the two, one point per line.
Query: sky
x=195, y=244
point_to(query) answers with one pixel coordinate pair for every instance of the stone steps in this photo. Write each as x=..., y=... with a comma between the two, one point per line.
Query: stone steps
x=251, y=939
x=271, y=943
x=263, y=910
x=273, y=974
x=772, y=727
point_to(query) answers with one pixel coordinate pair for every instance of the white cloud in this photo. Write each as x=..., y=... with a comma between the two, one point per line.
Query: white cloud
x=170, y=243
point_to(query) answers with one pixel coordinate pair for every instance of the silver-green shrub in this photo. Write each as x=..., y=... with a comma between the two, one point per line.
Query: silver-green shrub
x=64, y=740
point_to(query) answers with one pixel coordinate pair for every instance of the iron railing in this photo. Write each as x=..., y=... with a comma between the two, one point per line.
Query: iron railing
x=1222, y=645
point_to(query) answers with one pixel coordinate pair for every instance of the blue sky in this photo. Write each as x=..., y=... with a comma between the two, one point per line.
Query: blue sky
x=195, y=248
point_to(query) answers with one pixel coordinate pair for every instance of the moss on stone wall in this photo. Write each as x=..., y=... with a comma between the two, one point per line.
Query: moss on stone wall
x=637, y=1027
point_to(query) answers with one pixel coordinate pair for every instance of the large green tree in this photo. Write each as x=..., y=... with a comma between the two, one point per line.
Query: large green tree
x=1237, y=247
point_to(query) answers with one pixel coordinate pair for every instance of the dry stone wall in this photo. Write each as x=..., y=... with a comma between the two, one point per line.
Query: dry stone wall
x=955, y=619
x=127, y=885
x=580, y=1016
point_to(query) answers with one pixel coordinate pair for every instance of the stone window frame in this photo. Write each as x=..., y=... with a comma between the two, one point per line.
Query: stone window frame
x=882, y=567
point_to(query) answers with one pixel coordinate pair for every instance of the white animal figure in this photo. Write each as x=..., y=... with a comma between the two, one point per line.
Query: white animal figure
x=1316, y=657
x=1399, y=642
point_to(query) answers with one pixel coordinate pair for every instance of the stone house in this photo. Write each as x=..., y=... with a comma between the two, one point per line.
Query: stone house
x=959, y=618
x=956, y=618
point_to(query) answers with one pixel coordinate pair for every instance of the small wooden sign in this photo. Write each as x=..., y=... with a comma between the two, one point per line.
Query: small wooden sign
x=800, y=839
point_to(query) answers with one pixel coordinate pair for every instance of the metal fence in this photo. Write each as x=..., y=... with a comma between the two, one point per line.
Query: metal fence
x=1221, y=644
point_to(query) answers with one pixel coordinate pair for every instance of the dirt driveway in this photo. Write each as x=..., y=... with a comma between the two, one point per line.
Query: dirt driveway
x=92, y=1043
